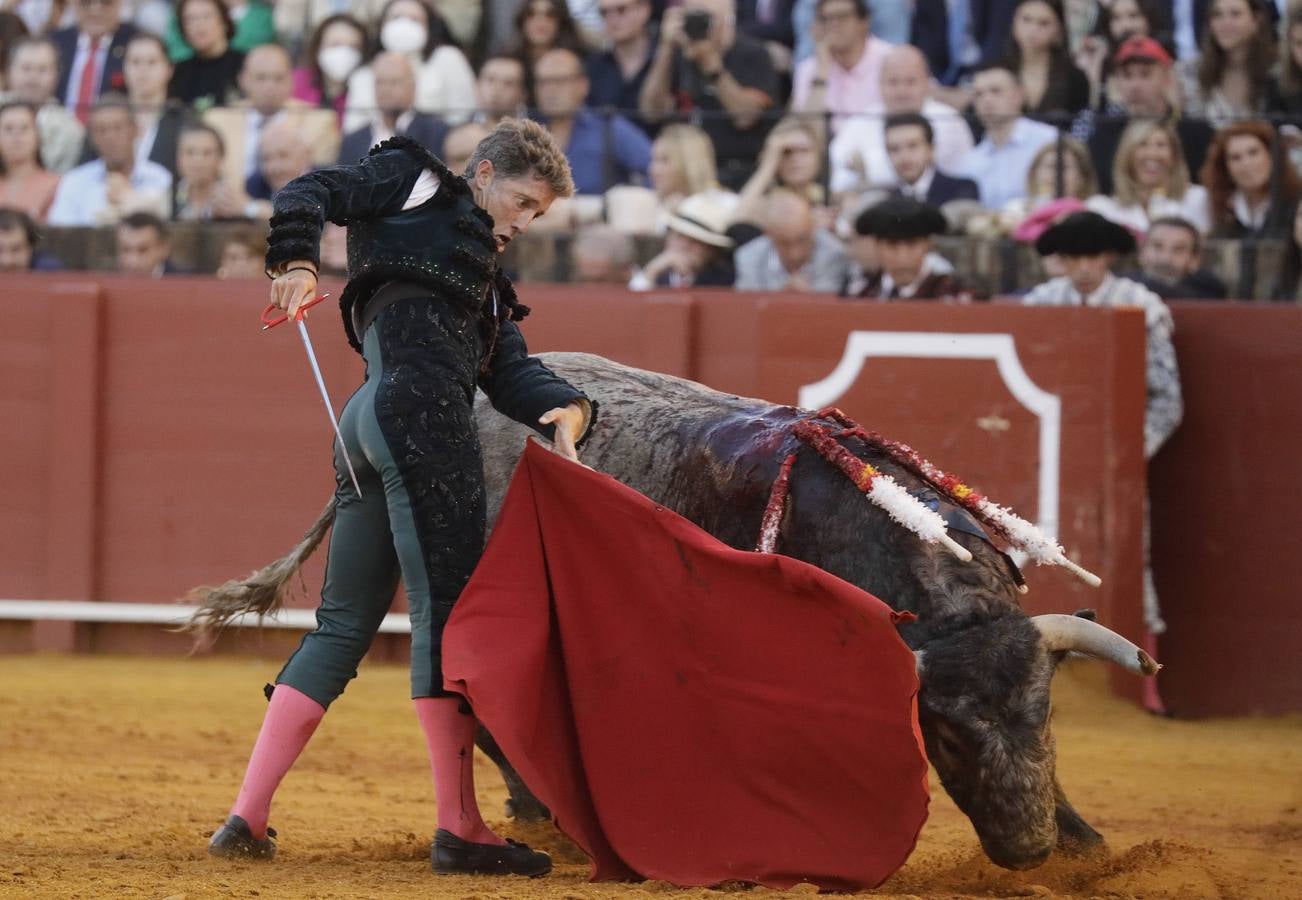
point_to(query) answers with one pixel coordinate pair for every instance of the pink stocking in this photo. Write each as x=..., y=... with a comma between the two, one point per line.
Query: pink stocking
x=450, y=737
x=291, y=718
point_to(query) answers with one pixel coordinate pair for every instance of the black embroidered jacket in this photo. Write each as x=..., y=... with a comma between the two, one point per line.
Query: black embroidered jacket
x=445, y=244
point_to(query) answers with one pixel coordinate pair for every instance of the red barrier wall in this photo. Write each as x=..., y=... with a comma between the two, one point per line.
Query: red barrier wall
x=1225, y=518
x=156, y=440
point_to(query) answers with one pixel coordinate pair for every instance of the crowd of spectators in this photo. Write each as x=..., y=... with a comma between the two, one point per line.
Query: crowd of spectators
x=752, y=137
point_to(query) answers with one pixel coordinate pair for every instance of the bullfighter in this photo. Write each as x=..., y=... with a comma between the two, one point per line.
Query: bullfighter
x=432, y=313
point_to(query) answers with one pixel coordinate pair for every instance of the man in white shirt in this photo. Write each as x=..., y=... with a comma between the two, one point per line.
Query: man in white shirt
x=104, y=190
x=1000, y=162
x=858, y=152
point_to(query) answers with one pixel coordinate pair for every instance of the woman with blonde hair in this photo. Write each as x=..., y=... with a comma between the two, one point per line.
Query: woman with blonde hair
x=1150, y=180
x=682, y=165
x=792, y=159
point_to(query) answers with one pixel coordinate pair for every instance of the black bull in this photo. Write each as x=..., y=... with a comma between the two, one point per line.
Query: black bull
x=985, y=665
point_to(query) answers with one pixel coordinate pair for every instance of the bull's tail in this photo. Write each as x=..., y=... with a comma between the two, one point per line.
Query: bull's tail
x=262, y=593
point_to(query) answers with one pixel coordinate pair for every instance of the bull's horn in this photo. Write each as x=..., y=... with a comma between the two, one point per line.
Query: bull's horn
x=918, y=657
x=1074, y=634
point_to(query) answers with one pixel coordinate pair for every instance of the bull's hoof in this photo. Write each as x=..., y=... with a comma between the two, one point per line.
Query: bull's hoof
x=1082, y=845
x=529, y=810
x=1018, y=861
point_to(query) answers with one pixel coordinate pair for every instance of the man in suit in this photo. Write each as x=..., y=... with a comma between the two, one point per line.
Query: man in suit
x=910, y=147
x=395, y=100
x=858, y=152
x=266, y=82
x=91, y=54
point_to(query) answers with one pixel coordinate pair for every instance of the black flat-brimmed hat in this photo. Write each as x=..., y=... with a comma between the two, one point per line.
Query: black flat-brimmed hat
x=900, y=219
x=1085, y=234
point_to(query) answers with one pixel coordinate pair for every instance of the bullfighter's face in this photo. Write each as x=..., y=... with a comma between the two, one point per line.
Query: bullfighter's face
x=514, y=203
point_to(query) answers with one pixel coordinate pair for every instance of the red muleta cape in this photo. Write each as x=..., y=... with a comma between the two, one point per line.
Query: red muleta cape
x=690, y=713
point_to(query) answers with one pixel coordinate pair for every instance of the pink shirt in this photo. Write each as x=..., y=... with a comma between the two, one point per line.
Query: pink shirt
x=849, y=91
x=307, y=91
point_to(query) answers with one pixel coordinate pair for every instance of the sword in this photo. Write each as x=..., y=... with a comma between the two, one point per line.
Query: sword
x=316, y=371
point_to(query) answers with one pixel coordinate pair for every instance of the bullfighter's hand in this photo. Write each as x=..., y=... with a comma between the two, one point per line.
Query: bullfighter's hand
x=569, y=428
x=290, y=290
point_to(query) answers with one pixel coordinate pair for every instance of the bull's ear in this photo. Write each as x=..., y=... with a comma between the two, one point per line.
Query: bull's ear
x=918, y=657
x=1091, y=614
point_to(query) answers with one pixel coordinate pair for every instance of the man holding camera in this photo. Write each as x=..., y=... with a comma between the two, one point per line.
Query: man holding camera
x=702, y=65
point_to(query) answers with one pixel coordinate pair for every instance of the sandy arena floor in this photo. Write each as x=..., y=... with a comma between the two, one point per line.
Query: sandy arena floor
x=114, y=771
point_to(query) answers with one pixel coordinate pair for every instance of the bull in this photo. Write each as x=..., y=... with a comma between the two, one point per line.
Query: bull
x=985, y=666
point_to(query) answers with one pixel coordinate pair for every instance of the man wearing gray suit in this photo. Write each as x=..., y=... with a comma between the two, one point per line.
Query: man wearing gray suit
x=395, y=100
x=793, y=254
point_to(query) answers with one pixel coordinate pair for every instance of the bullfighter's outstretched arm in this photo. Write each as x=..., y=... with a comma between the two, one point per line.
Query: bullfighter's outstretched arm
x=521, y=387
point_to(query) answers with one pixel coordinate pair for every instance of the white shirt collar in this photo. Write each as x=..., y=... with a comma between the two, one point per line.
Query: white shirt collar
x=918, y=190
x=1253, y=218
x=381, y=131
x=907, y=291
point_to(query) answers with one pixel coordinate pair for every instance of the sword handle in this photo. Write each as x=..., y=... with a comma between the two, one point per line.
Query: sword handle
x=270, y=320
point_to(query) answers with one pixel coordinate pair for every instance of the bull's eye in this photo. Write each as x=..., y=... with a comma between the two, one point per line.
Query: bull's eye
x=947, y=743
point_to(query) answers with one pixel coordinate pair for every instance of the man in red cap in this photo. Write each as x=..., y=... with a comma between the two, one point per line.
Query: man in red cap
x=1145, y=83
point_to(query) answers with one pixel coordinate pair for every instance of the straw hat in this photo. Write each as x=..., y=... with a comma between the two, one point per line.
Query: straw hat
x=704, y=219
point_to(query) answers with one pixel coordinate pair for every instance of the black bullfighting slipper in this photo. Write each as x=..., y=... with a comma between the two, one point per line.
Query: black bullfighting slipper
x=451, y=855
x=234, y=840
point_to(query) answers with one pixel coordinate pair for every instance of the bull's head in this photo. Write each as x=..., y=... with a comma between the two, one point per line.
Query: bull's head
x=985, y=714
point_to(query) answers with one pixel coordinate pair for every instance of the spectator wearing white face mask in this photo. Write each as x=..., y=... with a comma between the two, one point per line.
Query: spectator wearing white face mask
x=445, y=83
x=335, y=51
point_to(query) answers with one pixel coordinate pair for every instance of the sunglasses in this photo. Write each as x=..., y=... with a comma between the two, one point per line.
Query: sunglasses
x=87, y=4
